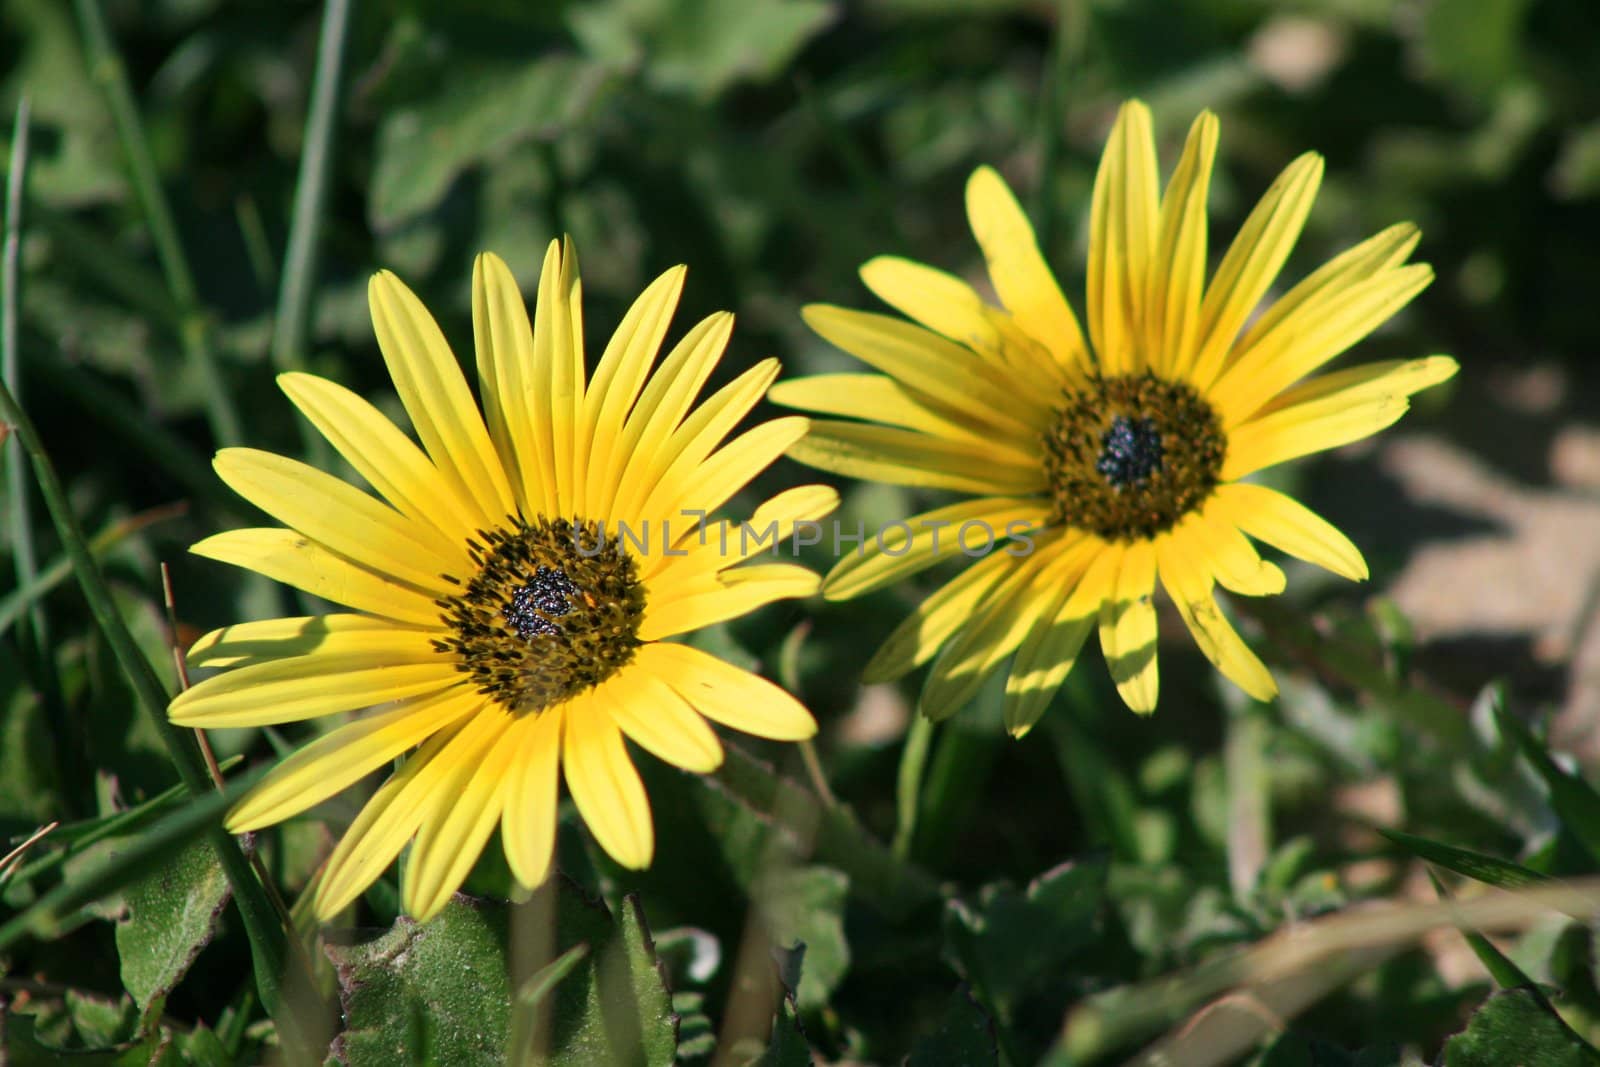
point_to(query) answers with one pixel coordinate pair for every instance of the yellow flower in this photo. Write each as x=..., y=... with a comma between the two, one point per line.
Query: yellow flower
x=503, y=618
x=1125, y=454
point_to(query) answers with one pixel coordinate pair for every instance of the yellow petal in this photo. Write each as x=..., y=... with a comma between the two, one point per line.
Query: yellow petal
x=1286, y=524
x=1021, y=277
x=1370, y=381
x=716, y=546
x=343, y=518
x=435, y=395
x=342, y=757
x=451, y=838
x=1122, y=240
x=732, y=467
x=427, y=782
x=516, y=407
x=1043, y=661
x=1307, y=428
x=305, y=687
x=1185, y=574
x=661, y=722
x=899, y=549
x=738, y=592
x=617, y=381
x=1376, y=254
x=273, y=639
x=1128, y=628
x=1251, y=263
x=384, y=456
x=285, y=556
x=665, y=401
x=691, y=444
x=604, y=784
x=995, y=630
x=726, y=694
x=916, y=639
x=905, y=457
x=528, y=828
x=879, y=398
x=926, y=363
x=558, y=366
x=1175, y=284
x=1306, y=340
x=949, y=306
x=1233, y=559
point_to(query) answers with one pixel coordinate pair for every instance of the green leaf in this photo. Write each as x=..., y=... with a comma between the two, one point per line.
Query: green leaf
x=482, y=111
x=788, y=1047
x=1009, y=941
x=1476, y=865
x=440, y=992
x=806, y=905
x=1573, y=799
x=1513, y=1027
x=700, y=46
x=1297, y=1050
x=964, y=1037
x=171, y=915
x=427, y=993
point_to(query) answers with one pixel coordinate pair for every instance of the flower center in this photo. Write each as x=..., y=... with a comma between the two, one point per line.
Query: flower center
x=1127, y=457
x=553, y=610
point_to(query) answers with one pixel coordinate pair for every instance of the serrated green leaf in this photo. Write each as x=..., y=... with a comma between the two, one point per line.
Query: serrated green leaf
x=700, y=46
x=806, y=905
x=1476, y=865
x=964, y=1037
x=1513, y=1029
x=440, y=992
x=171, y=915
x=427, y=993
x=484, y=109
x=788, y=1046
x=1006, y=942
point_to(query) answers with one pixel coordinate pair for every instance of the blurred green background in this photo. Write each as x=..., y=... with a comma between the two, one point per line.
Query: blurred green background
x=774, y=145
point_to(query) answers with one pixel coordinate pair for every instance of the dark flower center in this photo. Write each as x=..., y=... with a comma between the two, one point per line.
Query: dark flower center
x=1128, y=457
x=1129, y=452
x=554, y=609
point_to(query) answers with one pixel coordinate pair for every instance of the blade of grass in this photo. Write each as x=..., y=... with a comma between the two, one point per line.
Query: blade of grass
x=80, y=835
x=43, y=917
x=194, y=332
x=1476, y=865
x=289, y=328
x=1249, y=798
x=34, y=626
x=19, y=601
x=34, y=631
x=263, y=926
x=1573, y=799
x=908, y=784
x=1506, y=975
x=1066, y=52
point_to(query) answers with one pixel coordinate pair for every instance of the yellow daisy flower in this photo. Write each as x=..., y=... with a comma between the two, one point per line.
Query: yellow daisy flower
x=1127, y=453
x=501, y=615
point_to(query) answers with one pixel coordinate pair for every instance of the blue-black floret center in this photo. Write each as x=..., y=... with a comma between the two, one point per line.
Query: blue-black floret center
x=1130, y=451
x=533, y=608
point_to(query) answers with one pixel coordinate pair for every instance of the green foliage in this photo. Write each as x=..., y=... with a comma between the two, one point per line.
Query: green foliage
x=170, y=915
x=1515, y=1027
